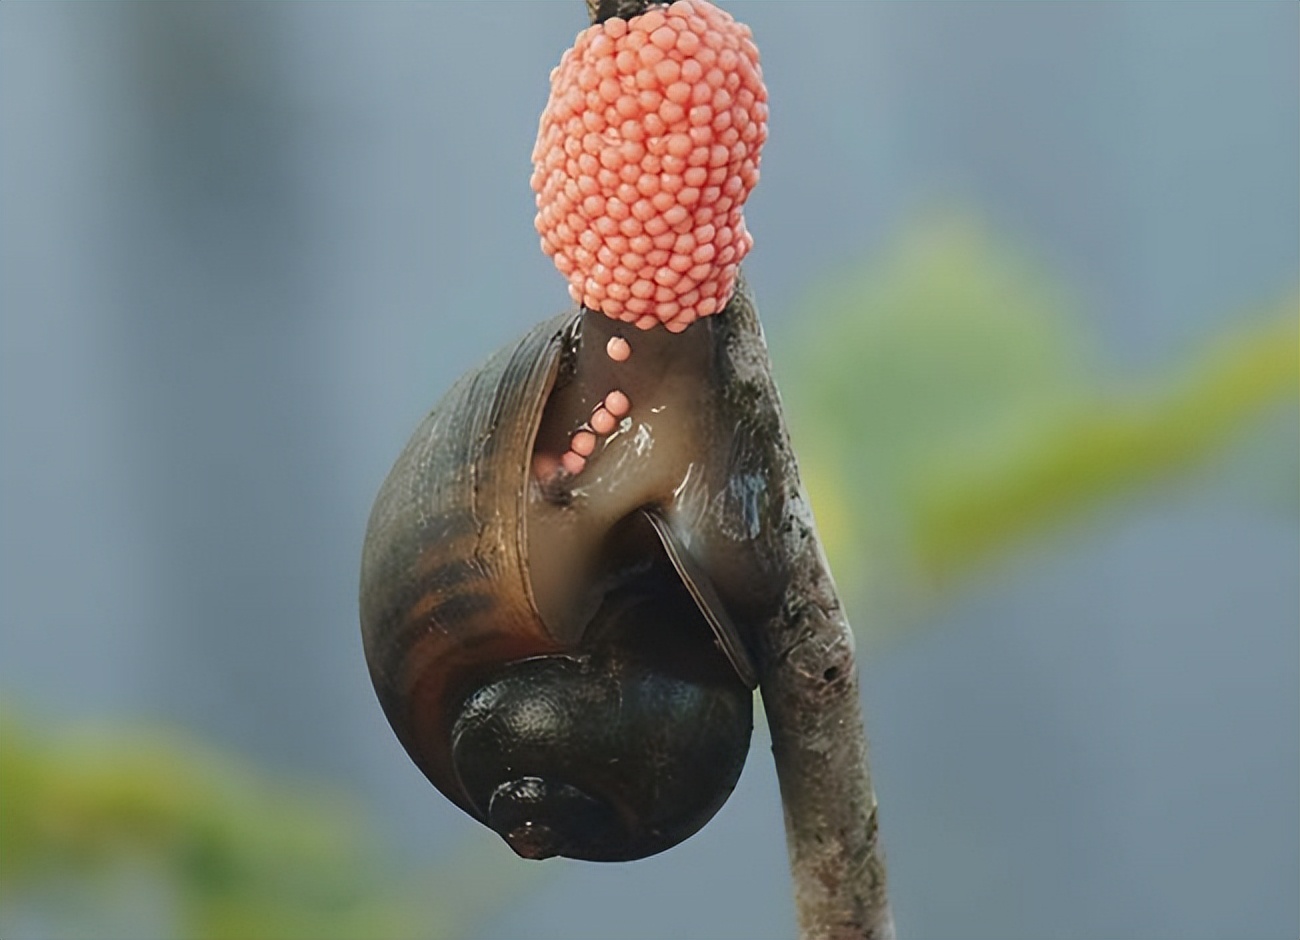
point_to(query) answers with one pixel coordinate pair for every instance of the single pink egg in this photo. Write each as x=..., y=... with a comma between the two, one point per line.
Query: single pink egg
x=602, y=422
x=618, y=349
x=617, y=403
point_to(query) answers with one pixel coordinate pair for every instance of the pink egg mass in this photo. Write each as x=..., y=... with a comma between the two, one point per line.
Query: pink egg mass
x=646, y=152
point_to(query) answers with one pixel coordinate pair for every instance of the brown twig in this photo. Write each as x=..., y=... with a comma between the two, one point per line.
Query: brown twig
x=809, y=678
x=809, y=682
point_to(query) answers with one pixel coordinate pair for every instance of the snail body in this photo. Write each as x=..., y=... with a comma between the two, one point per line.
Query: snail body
x=571, y=658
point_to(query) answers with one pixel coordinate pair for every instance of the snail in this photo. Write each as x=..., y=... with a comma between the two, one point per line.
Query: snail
x=565, y=571
x=571, y=659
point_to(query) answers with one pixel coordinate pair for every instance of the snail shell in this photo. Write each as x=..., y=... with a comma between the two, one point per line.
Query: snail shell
x=571, y=661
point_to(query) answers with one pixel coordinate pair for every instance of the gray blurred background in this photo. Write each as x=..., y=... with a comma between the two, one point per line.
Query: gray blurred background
x=245, y=247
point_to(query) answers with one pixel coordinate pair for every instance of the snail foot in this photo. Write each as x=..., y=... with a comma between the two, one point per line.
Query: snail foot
x=552, y=478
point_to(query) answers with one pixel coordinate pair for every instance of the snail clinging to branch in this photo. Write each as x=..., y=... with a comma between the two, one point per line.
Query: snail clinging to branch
x=563, y=570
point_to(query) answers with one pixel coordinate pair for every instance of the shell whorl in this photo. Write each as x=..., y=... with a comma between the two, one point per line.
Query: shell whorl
x=444, y=580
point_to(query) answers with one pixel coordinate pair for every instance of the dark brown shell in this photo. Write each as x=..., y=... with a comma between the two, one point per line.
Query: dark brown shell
x=470, y=563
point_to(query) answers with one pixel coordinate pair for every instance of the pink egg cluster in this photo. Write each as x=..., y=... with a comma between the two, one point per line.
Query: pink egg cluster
x=647, y=150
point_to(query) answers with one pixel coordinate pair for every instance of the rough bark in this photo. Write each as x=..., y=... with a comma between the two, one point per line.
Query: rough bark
x=809, y=683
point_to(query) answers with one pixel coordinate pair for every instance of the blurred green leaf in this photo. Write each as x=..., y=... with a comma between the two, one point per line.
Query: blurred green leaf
x=232, y=855
x=944, y=404
x=1104, y=445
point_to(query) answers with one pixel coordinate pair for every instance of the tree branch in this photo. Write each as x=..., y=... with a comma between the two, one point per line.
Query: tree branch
x=809, y=682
